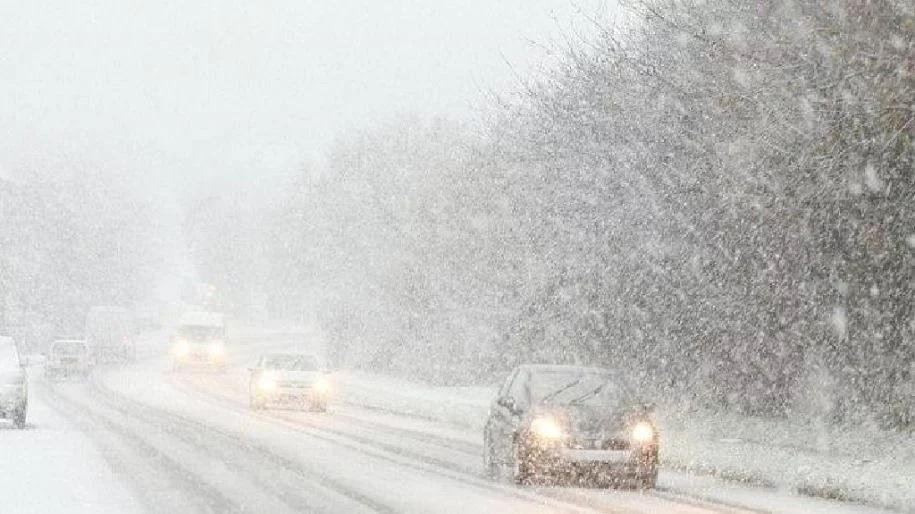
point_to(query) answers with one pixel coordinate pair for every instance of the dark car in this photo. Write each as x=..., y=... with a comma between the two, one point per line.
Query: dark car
x=570, y=421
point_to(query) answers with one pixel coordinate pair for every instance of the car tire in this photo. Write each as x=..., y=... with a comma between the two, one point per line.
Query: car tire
x=521, y=465
x=19, y=417
x=491, y=467
x=648, y=481
x=255, y=402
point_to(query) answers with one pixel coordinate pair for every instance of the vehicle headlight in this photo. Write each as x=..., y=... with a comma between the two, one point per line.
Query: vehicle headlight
x=322, y=386
x=643, y=432
x=547, y=428
x=216, y=349
x=266, y=383
x=181, y=348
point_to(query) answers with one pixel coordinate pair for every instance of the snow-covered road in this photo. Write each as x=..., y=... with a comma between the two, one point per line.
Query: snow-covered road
x=189, y=443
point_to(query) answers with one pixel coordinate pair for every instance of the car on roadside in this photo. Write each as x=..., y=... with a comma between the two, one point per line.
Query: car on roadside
x=14, y=384
x=579, y=423
x=199, y=342
x=69, y=358
x=111, y=334
x=288, y=379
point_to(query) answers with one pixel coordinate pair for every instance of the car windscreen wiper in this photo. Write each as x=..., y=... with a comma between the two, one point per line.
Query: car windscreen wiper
x=589, y=394
x=557, y=392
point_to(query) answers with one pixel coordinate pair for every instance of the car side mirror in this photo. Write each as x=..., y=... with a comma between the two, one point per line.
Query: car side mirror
x=509, y=403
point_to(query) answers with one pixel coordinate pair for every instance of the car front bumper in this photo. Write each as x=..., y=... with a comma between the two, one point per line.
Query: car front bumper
x=202, y=359
x=637, y=462
x=293, y=395
x=12, y=398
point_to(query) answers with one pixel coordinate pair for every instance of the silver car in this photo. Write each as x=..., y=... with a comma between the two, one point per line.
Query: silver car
x=14, y=385
x=573, y=422
x=289, y=379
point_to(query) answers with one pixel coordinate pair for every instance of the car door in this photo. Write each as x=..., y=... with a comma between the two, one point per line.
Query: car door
x=503, y=419
x=256, y=373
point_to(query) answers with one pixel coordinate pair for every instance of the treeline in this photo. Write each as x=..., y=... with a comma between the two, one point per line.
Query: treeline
x=69, y=240
x=717, y=196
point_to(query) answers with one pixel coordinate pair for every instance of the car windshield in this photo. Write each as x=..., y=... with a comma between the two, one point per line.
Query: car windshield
x=200, y=333
x=69, y=348
x=570, y=387
x=292, y=362
x=9, y=358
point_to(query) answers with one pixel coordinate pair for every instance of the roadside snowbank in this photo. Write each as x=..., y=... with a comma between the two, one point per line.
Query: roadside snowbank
x=862, y=465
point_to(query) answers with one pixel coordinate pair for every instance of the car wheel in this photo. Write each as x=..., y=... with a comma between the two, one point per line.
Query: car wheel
x=649, y=481
x=491, y=467
x=521, y=464
x=19, y=418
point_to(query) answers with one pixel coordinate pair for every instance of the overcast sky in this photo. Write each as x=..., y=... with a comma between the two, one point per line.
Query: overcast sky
x=194, y=89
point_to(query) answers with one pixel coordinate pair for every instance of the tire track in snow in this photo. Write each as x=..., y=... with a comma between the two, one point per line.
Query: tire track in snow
x=253, y=456
x=132, y=456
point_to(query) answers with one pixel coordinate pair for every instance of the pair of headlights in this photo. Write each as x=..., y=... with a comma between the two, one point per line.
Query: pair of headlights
x=267, y=383
x=547, y=428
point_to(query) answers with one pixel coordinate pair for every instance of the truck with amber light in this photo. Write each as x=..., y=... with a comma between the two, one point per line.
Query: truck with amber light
x=199, y=342
x=570, y=422
x=289, y=380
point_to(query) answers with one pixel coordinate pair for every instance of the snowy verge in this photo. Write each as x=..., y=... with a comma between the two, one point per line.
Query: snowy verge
x=465, y=407
x=52, y=467
x=864, y=466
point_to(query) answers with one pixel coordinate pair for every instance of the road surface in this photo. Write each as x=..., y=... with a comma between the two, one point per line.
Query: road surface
x=188, y=442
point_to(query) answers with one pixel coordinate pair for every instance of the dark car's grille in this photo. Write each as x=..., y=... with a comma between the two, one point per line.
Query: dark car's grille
x=613, y=443
x=293, y=384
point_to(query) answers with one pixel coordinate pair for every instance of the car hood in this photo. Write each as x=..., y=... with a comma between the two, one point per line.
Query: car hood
x=588, y=419
x=306, y=377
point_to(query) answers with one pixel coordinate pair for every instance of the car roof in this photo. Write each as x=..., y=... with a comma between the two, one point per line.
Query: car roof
x=81, y=341
x=202, y=319
x=289, y=354
x=109, y=308
x=552, y=368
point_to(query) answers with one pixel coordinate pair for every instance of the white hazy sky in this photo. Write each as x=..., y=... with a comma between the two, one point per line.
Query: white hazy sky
x=197, y=90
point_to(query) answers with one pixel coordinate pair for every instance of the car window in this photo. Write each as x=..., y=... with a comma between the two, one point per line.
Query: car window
x=69, y=348
x=200, y=333
x=9, y=356
x=573, y=386
x=292, y=362
x=518, y=388
x=506, y=385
